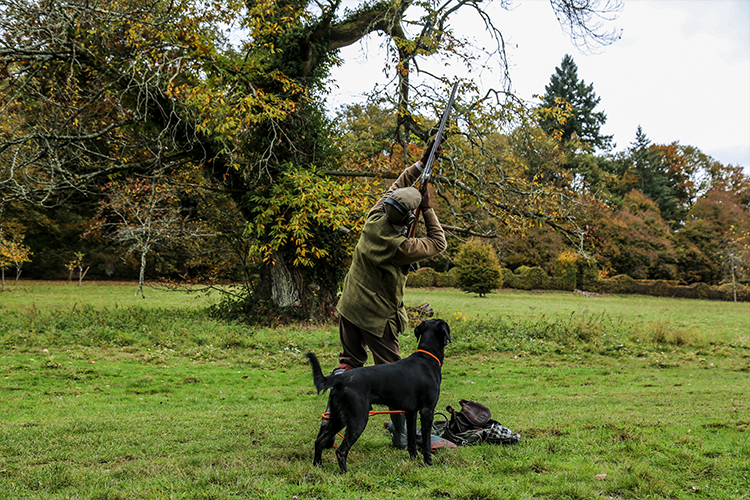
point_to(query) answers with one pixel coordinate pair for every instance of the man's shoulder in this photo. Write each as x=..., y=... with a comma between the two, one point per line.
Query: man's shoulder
x=380, y=223
x=374, y=217
x=379, y=237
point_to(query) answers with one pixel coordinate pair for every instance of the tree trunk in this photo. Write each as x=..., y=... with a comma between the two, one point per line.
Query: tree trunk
x=290, y=291
x=284, y=291
x=147, y=244
x=82, y=274
x=142, y=273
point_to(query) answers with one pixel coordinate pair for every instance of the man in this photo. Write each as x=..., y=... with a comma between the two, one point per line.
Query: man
x=371, y=308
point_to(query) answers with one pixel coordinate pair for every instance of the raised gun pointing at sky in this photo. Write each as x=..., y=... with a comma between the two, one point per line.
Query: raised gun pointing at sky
x=427, y=172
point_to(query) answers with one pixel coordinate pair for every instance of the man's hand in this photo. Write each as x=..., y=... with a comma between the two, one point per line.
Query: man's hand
x=426, y=154
x=425, y=203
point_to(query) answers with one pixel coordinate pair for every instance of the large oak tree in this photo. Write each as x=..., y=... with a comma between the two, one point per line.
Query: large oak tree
x=94, y=91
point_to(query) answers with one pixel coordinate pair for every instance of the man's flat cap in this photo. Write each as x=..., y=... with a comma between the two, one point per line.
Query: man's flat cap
x=408, y=197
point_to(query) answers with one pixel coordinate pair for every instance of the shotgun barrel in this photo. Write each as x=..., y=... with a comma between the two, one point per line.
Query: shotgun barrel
x=427, y=170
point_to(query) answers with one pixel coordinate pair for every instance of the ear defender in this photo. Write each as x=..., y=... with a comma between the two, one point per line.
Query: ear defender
x=407, y=216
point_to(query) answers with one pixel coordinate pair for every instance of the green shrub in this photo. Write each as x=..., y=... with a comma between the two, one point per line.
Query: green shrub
x=588, y=275
x=428, y=277
x=535, y=278
x=447, y=279
x=558, y=283
x=510, y=279
x=701, y=290
x=531, y=278
x=478, y=270
x=566, y=269
x=659, y=288
x=423, y=277
x=521, y=269
x=622, y=283
x=728, y=292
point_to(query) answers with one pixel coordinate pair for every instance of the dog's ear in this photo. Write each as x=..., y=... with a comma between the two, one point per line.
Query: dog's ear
x=446, y=333
x=418, y=330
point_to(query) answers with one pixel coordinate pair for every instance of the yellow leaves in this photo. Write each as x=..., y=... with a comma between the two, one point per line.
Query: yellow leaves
x=295, y=214
x=14, y=252
x=229, y=115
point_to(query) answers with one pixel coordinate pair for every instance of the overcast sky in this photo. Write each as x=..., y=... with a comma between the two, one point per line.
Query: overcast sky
x=681, y=69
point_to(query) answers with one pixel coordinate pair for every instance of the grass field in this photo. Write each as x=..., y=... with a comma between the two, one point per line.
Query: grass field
x=62, y=295
x=711, y=319
x=104, y=396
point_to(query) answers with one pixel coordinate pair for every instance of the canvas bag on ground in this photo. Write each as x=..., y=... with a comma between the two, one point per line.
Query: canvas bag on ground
x=474, y=425
x=472, y=415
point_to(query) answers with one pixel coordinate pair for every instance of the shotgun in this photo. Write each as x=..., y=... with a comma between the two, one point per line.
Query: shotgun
x=427, y=171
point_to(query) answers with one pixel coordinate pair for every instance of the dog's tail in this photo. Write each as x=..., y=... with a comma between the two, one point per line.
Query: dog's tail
x=322, y=383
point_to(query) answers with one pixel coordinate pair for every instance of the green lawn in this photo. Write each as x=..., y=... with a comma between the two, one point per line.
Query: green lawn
x=710, y=318
x=100, y=294
x=615, y=397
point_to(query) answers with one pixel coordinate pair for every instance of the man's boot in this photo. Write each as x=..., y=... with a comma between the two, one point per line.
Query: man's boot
x=398, y=429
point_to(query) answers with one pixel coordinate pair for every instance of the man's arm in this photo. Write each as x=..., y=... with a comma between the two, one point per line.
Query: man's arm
x=416, y=249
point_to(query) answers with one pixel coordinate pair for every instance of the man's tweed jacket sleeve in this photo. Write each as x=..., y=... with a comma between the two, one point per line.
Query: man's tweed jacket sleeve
x=416, y=249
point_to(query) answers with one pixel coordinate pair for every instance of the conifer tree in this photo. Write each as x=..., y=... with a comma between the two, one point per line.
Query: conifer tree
x=653, y=178
x=584, y=123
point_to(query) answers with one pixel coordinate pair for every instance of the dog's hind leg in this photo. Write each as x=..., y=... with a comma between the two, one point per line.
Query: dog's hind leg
x=326, y=436
x=426, y=416
x=411, y=433
x=324, y=422
x=354, y=428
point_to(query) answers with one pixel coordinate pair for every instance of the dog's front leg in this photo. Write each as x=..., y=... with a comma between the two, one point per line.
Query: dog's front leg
x=411, y=433
x=426, y=416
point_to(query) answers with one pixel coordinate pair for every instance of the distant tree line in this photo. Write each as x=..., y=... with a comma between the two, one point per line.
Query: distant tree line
x=657, y=211
x=650, y=211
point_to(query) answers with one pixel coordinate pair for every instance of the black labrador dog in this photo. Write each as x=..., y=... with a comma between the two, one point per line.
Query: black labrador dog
x=411, y=384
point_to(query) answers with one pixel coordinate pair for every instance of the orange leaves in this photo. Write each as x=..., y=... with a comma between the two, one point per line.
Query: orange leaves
x=14, y=252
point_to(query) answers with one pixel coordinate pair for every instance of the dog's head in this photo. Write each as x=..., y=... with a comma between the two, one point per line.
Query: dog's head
x=436, y=328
